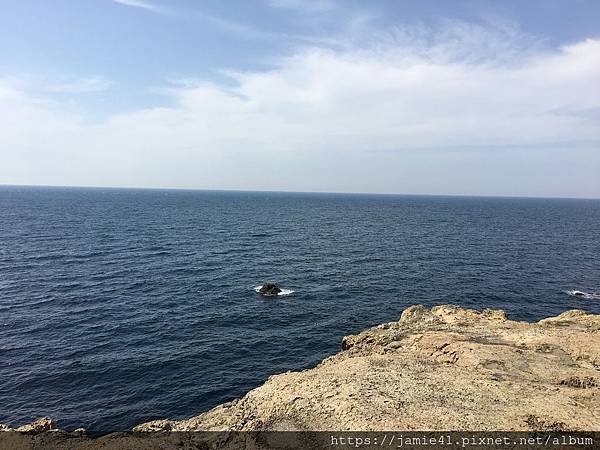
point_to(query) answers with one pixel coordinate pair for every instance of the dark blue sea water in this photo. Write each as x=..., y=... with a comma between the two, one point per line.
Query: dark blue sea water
x=119, y=306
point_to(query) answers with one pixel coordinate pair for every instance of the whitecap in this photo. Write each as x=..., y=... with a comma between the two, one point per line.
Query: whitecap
x=581, y=294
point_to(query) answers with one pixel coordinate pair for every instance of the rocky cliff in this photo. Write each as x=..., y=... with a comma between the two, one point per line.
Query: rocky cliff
x=445, y=368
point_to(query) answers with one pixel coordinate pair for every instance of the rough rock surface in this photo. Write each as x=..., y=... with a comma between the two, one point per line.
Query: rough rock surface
x=269, y=289
x=445, y=368
x=38, y=426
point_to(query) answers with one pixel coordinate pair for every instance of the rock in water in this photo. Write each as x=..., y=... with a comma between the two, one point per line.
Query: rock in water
x=269, y=289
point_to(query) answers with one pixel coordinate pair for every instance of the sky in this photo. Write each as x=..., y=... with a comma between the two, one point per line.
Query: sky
x=469, y=97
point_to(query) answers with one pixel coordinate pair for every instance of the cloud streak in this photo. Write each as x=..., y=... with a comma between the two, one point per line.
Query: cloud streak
x=142, y=4
x=78, y=85
x=307, y=6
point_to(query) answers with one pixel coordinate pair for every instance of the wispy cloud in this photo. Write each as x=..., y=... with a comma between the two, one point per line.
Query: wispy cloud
x=143, y=4
x=237, y=28
x=252, y=33
x=353, y=22
x=68, y=85
x=78, y=85
x=311, y=6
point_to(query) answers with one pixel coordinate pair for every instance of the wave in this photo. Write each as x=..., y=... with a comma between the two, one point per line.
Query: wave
x=585, y=295
x=283, y=291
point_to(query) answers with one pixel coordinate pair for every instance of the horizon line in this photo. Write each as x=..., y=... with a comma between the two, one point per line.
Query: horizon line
x=150, y=188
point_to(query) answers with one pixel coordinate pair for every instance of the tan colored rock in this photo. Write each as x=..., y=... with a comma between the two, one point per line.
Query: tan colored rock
x=38, y=426
x=445, y=368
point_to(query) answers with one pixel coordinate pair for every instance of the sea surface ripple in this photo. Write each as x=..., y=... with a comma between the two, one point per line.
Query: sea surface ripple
x=119, y=306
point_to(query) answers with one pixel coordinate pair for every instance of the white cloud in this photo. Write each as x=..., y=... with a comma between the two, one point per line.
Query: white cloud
x=401, y=114
x=143, y=4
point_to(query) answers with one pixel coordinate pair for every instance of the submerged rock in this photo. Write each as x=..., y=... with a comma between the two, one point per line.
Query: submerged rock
x=269, y=289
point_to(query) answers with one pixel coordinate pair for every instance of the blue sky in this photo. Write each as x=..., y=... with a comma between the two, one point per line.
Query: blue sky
x=463, y=97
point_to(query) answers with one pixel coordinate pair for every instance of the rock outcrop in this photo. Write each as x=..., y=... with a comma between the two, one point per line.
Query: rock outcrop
x=36, y=427
x=269, y=289
x=445, y=368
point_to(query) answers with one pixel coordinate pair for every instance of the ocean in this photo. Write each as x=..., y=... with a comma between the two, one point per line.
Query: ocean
x=119, y=306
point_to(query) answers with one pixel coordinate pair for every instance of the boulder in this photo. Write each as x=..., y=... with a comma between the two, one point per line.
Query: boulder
x=269, y=289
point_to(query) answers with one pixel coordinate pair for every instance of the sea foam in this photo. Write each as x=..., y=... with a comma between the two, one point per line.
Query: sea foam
x=586, y=295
